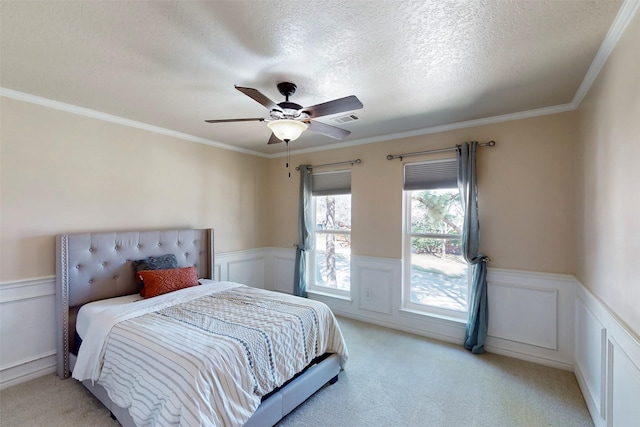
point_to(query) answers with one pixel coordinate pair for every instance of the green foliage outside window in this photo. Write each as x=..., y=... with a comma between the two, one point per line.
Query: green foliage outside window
x=436, y=212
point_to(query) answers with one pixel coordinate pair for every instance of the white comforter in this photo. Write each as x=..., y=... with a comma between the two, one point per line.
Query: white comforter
x=235, y=348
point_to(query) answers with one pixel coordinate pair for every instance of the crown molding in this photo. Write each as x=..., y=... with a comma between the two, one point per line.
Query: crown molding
x=74, y=109
x=619, y=25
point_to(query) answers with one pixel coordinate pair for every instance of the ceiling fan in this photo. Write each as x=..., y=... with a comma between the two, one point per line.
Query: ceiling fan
x=287, y=120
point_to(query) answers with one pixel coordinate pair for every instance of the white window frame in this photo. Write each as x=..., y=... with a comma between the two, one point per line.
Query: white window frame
x=406, y=276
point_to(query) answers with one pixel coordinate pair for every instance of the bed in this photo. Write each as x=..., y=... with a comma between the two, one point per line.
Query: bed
x=251, y=377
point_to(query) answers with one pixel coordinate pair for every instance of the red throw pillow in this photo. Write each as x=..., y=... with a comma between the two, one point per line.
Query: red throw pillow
x=158, y=282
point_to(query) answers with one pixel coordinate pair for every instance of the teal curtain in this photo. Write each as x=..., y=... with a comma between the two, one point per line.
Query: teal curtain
x=477, y=323
x=305, y=231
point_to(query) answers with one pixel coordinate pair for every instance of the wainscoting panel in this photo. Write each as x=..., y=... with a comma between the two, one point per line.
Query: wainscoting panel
x=268, y=268
x=623, y=387
x=246, y=267
x=607, y=363
x=529, y=327
x=283, y=266
x=375, y=286
x=27, y=330
x=590, y=350
x=531, y=316
x=250, y=272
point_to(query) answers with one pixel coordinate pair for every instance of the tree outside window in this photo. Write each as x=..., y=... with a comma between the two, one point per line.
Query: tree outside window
x=438, y=272
x=332, y=254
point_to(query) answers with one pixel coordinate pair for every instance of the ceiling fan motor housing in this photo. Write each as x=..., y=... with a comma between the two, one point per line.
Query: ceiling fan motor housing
x=287, y=89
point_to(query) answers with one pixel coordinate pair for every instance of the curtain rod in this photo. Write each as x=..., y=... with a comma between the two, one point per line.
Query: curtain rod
x=351, y=162
x=440, y=150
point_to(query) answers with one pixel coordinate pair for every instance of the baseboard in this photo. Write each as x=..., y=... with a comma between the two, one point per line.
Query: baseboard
x=26, y=370
x=451, y=334
x=552, y=363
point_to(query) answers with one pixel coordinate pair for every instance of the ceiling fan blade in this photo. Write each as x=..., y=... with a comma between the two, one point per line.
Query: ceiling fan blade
x=273, y=140
x=328, y=130
x=258, y=96
x=348, y=103
x=255, y=119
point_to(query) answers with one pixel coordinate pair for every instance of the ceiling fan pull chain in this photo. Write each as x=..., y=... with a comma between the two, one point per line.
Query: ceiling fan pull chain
x=288, y=158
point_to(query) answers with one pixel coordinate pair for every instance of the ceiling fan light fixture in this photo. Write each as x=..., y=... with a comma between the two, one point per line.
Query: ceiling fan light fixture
x=287, y=130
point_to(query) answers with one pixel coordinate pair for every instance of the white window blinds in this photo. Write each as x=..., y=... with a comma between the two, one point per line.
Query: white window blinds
x=323, y=184
x=431, y=175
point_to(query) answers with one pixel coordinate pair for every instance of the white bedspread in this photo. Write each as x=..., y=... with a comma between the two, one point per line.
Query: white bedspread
x=187, y=358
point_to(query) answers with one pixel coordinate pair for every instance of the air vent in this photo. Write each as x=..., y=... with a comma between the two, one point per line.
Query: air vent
x=346, y=119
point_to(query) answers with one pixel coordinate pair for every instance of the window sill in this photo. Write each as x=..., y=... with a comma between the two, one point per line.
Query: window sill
x=330, y=295
x=433, y=315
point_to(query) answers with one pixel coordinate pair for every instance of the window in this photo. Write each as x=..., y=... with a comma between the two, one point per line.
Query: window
x=331, y=257
x=436, y=278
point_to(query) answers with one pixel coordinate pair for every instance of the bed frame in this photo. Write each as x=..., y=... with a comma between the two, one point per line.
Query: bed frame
x=95, y=266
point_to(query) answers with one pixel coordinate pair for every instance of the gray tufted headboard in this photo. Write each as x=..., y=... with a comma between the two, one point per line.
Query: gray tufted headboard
x=95, y=266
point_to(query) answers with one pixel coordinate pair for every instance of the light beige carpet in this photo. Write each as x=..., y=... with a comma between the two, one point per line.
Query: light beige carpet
x=391, y=379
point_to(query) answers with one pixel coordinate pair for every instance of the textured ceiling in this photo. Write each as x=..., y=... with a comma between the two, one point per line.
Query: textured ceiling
x=413, y=64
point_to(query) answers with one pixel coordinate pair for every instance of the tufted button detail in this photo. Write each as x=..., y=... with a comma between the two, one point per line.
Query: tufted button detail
x=186, y=254
x=90, y=281
x=138, y=245
x=159, y=244
x=78, y=267
x=90, y=249
x=178, y=243
x=117, y=248
x=104, y=264
x=115, y=277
